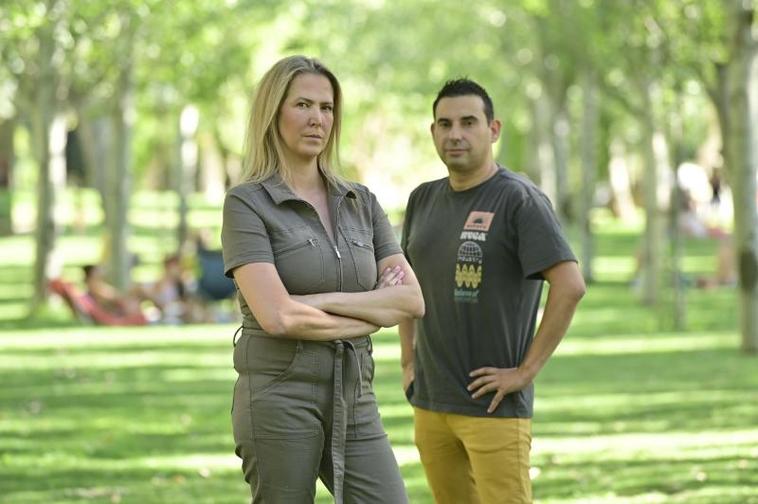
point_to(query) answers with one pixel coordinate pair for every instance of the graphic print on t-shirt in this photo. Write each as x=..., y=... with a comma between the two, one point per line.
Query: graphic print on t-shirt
x=470, y=259
x=479, y=221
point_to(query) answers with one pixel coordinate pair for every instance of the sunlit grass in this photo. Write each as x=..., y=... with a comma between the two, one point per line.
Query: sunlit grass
x=627, y=411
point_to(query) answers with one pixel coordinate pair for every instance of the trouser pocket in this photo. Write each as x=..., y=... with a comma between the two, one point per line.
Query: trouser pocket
x=266, y=361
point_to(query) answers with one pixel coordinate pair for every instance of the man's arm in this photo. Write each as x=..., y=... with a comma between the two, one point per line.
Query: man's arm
x=279, y=314
x=384, y=307
x=407, y=330
x=566, y=290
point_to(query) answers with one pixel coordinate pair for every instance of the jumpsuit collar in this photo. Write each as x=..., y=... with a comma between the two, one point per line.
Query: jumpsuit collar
x=280, y=192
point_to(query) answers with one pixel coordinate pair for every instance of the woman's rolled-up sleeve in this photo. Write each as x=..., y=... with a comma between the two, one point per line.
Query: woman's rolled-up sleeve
x=244, y=237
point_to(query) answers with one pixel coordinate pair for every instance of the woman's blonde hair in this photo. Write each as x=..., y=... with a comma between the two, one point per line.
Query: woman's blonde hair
x=264, y=154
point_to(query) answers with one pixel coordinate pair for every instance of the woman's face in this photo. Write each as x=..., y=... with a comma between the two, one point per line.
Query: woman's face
x=306, y=117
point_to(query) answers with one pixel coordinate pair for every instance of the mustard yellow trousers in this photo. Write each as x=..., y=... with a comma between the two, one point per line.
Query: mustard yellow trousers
x=475, y=460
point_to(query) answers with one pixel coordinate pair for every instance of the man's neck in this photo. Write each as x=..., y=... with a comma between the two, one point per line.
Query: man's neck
x=462, y=181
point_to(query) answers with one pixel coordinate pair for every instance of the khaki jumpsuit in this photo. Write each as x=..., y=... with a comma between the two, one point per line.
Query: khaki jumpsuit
x=302, y=409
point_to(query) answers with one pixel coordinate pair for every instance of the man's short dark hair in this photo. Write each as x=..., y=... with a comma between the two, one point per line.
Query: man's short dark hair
x=464, y=87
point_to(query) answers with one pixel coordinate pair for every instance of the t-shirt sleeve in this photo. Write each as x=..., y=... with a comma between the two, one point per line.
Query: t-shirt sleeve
x=541, y=242
x=407, y=226
x=385, y=242
x=244, y=238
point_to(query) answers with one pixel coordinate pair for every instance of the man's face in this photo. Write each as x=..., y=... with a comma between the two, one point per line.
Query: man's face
x=462, y=135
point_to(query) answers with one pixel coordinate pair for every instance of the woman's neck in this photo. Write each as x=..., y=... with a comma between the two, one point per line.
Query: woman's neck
x=306, y=180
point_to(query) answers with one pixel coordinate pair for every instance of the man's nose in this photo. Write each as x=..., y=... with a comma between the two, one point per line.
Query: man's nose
x=455, y=132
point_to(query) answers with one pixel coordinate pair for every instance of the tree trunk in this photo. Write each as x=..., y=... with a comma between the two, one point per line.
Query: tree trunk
x=653, y=152
x=232, y=172
x=94, y=135
x=120, y=182
x=742, y=161
x=721, y=103
x=675, y=236
x=589, y=171
x=544, y=154
x=213, y=174
x=50, y=153
x=186, y=165
x=7, y=160
x=622, y=202
x=560, y=141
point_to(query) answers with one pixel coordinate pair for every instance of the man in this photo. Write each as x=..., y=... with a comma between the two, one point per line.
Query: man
x=481, y=241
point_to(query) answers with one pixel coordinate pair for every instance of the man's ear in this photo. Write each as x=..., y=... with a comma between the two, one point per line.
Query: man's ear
x=495, y=126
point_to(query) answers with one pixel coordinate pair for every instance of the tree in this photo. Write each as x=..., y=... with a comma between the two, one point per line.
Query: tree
x=7, y=160
x=725, y=31
x=38, y=48
x=742, y=156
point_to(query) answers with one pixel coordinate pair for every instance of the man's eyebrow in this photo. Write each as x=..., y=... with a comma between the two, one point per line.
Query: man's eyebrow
x=464, y=118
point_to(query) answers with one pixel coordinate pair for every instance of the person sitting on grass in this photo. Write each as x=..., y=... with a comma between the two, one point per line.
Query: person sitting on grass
x=170, y=293
x=107, y=296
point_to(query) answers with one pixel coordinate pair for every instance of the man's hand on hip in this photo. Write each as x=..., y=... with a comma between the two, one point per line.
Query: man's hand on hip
x=501, y=381
x=408, y=375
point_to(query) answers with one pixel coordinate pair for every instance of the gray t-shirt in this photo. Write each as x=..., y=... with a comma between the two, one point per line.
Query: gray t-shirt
x=267, y=222
x=478, y=255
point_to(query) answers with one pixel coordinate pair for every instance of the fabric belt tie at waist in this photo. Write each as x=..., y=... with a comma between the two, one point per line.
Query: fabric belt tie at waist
x=339, y=414
x=339, y=408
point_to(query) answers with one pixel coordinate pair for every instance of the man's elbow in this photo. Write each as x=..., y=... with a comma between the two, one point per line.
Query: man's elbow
x=576, y=290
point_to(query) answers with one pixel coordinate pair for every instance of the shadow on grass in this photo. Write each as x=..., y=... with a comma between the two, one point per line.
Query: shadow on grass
x=624, y=410
x=668, y=476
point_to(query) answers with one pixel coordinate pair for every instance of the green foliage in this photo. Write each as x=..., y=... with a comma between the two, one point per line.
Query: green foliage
x=391, y=56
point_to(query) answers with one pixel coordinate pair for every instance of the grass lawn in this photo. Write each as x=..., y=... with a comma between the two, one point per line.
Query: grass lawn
x=627, y=411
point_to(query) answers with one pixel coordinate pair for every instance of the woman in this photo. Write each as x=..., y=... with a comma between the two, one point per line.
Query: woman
x=304, y=249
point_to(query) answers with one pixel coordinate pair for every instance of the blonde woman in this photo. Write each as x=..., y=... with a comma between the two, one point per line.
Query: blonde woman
x=318, y=270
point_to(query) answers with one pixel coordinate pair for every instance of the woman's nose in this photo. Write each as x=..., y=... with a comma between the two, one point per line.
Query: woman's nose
x=316, y=117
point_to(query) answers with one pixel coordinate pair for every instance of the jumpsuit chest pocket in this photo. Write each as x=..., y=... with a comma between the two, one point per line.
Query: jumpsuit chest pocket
x=360, y=244
x=299, y=260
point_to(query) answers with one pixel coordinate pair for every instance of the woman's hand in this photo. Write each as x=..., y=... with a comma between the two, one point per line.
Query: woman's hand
x=390, y=277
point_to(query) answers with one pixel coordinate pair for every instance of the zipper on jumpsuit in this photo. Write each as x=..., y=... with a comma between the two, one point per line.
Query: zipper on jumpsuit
x=336, y=244
x=339, y=406
x=333, y=241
